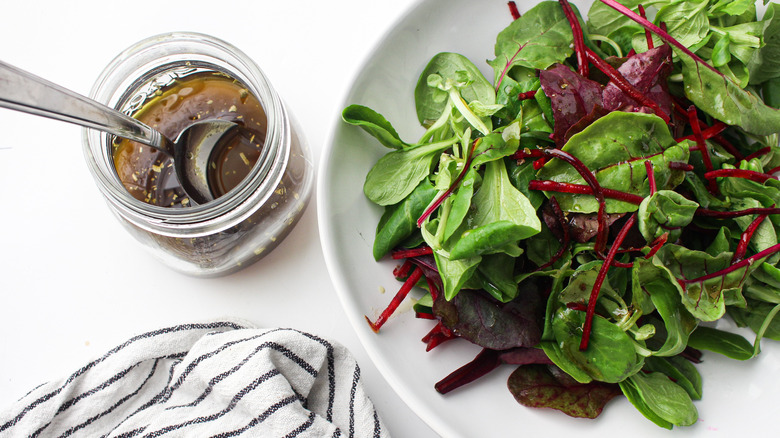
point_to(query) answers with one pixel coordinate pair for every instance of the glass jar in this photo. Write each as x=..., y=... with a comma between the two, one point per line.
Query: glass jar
x=237, y=228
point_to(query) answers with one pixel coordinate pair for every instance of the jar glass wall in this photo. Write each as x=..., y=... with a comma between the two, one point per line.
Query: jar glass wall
x=258, y=210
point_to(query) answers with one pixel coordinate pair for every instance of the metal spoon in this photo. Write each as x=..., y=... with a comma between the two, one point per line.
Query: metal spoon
x=23, y=91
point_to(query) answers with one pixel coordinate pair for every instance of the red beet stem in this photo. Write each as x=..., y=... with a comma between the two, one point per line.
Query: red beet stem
x=648, y=36
x=739, y=173
x=513, y=10
x=651, y=176
x=451, y=189
x=414, y=252
x=485, y=362
x=579, y=41
x=594, y=295
x=581, y=189
x=745, y=238
x=396, y=301
x=693, y=119
x=736, y=213
x=735, y=266
x=677, y=165
x=759, y=153
x=708, y=133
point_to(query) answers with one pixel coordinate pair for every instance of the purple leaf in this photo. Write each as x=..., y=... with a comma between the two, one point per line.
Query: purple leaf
x=572, y=97
x=541, y=386
x=647, y=72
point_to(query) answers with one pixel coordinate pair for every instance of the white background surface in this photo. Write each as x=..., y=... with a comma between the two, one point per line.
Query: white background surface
x=73, y=283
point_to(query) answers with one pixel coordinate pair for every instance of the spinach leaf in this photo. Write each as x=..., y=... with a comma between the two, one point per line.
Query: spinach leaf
x=610, y=356
x=500, y=215
x=680, y=370
x=465, y=79
x=665, y=211
x=540, y=38
x=375, y=124
x=498, y=276
x=397, y=173
x=615, y=147
x=660, y=400
x=726, y=101
x=542, y=386
x=400, y=221
x=765, y=63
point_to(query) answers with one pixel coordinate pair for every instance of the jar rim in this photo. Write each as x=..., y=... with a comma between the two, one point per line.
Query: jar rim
x=227, y=210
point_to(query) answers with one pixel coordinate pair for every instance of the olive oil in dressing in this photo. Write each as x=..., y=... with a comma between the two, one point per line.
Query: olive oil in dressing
x=149, y=175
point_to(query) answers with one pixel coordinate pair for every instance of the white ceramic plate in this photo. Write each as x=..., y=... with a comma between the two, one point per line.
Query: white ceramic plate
x=739, y=397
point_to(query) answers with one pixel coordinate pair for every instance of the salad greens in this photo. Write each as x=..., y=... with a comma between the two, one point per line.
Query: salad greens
x=590, y=212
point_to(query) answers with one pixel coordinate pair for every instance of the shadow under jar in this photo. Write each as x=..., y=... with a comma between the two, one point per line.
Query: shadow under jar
x=262, y=180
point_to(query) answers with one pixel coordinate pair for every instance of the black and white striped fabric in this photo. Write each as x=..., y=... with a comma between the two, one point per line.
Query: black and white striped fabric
x=216, y=379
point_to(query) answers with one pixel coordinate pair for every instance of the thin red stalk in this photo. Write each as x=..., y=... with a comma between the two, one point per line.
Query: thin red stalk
x=735, y=266
x=579, y=41
x=451, y=189
x=759, y=153
x=739, y=173
x=736, y=213
x=424, y=315
x=513, y=10
x=657, y=244
x=651, y=176
x=538, y=164
x=745, y=238
x=708, y=133
x=677, y=165
x=403, y=270
x=581, y=189
x=625, y=86
x=656, y=30
x=594, y=294
x=773, y=170
x=730, y=148
x=414, y=252
x=396, y=301
x=648, y=36
x=485, y=362
x=439, y=334
x=693, y=119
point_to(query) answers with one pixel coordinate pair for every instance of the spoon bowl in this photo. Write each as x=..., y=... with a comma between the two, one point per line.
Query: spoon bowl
x=191, y=150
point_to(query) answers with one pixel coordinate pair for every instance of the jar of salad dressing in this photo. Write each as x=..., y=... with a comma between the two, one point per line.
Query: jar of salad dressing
x=261, y=181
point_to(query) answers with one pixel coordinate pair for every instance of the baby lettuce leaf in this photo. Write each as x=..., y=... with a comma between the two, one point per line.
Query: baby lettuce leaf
x=542, y=386
x=665, y=211
x=431, y=101
x=399, y=172
x=728, y=344
x=615, y=147
x=500, y=215
x=497, y=273
x=680, y=370
x=765, y=63
x=540, y=38
x=664, y=292
x=660, y=400
x=723, y=99
x=400, y=221
x=375, y=124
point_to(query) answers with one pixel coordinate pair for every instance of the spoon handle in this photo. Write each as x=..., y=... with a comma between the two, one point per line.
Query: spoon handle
x=25, y=92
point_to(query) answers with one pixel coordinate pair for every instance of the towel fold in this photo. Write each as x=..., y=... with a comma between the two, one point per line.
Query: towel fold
x=215, y=379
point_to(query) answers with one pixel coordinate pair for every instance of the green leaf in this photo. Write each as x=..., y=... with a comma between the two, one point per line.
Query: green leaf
x=397, y=173
x=615, y=148
x=455, y=273
x=610, y=356
x=500, y=215
x=540, y=38
x=373, y=123
x=497, y=272
x=724, y=100
x=462, y=74
x=665, y=211
x=680, y=370
x=765, y=63
x=664, y=291
x=686, y=21
x=657, y=397
x=400, y=221
x=728, y=344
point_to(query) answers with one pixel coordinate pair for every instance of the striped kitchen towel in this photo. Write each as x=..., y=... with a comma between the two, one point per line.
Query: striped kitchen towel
x=215, y=379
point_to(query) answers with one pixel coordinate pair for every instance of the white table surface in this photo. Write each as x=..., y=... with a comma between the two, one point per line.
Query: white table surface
x=73, y=283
